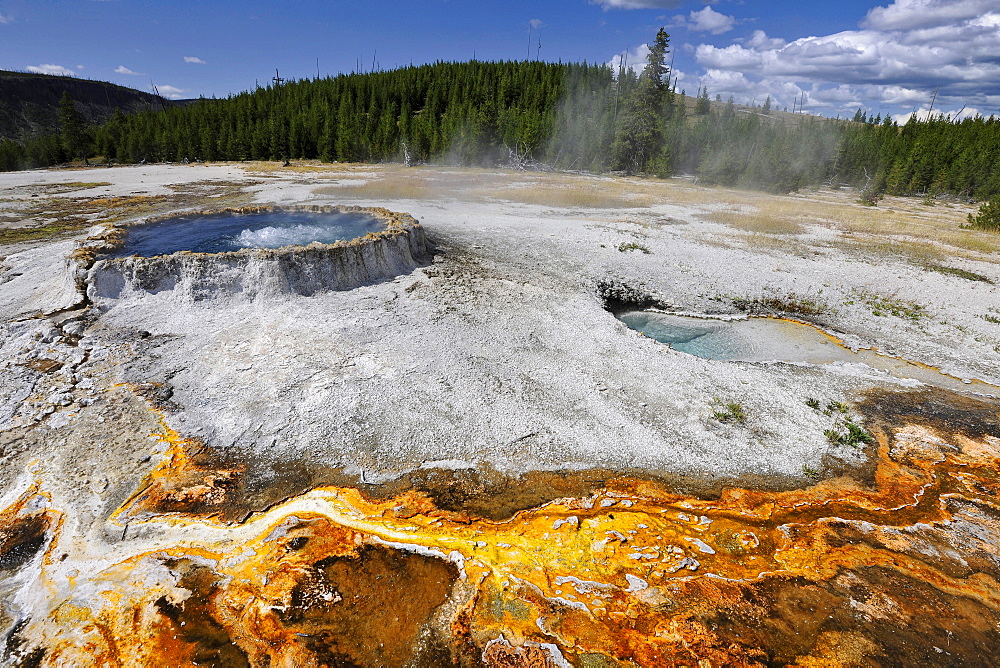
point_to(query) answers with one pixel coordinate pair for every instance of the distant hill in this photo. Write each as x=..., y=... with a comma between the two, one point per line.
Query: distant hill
x=29, y=102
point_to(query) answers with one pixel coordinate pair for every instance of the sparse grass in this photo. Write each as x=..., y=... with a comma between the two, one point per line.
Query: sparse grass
x=59, y=217
x=920, y=235
x=886, y=305
x=813, y=403
x=580, y=195
x=991, y=318
x=900, y=226
x=961, y=273
x=732, y=412
x=789, y=303
x=917, y=253
x=54, y=230
x=763, y=218
x=82, y=185
x=306, y=167
x=631, y=246
x=383, y=189
x=474, y=184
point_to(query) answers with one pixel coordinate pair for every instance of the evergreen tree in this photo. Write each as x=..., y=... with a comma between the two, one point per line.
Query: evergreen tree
x=639, y=137
x=656, y=71
x=11, y=155
x=703, y=105
x=71, y=128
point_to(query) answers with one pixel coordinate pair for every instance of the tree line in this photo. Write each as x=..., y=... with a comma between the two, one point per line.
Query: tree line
x=564, y=115
x=922, y=157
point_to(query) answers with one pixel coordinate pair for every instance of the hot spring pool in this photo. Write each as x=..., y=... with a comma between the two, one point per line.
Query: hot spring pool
x=260, y=252
x=774, y=340
x=751, y=340
x=232, y=231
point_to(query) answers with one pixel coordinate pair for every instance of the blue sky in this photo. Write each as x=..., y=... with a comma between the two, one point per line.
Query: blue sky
x=886, y=58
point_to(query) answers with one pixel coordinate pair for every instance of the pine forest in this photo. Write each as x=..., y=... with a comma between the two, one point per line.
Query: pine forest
x=573, y=116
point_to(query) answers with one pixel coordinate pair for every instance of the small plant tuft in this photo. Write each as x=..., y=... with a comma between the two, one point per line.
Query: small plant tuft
x=855, y=435
x=810, y=472
x=812, y=403
x=733, y=412
x=631, y=246
x=836, y=407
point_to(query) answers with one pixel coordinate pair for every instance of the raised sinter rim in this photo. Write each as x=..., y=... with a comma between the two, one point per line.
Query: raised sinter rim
x=249, y=273
x=110, y=238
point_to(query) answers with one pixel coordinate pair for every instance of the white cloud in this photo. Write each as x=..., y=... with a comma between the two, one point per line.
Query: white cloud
x=726, y=83
x=705, y=20
x=759, y=40
x=710, y=21
x=50, y=69
x=172, y=92
x=905, y=51
x=901, y=96
x=6, y=19
x=912, y=14
x=922, y=113
x=732, y=57
x=635, y=59
x=635, y=4
x=536, y=23
x=193, y=59
x=121, y=69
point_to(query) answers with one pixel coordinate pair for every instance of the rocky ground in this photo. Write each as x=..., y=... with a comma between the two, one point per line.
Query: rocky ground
x=490, y=379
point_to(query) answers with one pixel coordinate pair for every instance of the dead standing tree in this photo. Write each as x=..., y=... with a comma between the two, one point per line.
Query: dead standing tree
x=285, y=162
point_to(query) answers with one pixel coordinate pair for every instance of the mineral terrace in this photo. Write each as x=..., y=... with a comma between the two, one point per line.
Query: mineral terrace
x=464, y=457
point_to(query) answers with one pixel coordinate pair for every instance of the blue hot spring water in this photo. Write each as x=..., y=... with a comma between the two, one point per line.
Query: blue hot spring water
x=222, y=232
x=753, y=340
x=772, y=340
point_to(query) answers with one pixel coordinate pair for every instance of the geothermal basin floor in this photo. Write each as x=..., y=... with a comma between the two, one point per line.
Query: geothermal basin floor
x=155, y=439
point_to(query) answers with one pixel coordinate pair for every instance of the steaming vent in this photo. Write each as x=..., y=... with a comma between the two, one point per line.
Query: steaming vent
x=249, y=253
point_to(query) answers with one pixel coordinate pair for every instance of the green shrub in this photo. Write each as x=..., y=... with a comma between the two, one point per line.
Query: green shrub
x=988, y=216
x=870, y=196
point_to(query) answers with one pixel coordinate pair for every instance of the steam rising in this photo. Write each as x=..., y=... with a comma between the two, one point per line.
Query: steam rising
x=276, y=237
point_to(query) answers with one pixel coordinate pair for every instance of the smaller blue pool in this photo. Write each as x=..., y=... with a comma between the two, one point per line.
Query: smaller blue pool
x=231, y=231
x=773, y=340
x=752, y=340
